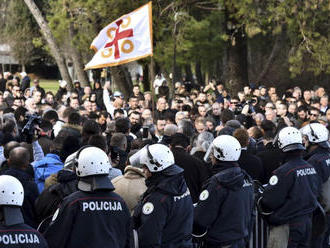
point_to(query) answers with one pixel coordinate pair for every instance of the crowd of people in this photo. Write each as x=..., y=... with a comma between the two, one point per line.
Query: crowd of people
x=180, y=169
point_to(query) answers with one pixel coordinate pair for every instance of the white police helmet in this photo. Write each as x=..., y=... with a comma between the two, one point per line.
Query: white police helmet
x=316, y=133
x=90, y=161
x=226, y=148
x=159, y=158
x=11, y=191
x=289, y=138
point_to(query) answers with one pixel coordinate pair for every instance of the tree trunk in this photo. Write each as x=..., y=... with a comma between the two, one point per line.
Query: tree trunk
x=236, y=75
x=146, y=78
x=189, y=74
x=45, y=30
x=120, y=79
x=77, y=59
x=199, y=75
x=275, y=51
x=236, y=64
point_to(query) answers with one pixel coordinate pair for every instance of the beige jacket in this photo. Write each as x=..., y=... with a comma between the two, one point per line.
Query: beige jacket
x=130, y=186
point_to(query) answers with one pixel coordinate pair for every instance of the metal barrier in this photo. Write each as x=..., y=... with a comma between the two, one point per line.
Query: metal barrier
x=260, y=233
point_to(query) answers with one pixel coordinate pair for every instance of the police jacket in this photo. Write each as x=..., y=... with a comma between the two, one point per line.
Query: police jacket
x=291, y=191
x=49, y=200
x=320, y=159
x=21, y=236
x=97, y=219
x=43, y=168
x=225, y=206
x=164, y=216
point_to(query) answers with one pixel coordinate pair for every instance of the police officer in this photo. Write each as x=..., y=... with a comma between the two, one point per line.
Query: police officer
x=290, y=196
x=164, y=216
x=94, y=216
x=13, y=231
x=317, y=144
x=223, y=215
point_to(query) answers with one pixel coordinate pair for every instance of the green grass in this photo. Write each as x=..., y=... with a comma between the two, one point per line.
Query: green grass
x=49, y=85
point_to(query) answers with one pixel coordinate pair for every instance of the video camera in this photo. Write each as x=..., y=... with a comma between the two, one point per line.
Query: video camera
x=29, y=129
x=250, y=102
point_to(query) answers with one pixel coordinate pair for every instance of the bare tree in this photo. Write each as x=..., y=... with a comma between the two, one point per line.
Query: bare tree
x=45, y=30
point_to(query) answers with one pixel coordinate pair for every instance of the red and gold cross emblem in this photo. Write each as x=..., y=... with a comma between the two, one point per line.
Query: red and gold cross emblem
x=118, y=36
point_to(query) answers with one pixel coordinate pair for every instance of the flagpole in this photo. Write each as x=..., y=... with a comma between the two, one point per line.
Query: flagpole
x=152, y=78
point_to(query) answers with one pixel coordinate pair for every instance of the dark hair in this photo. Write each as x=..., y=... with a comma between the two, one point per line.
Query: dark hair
x=186, y=108
x=90, y=128
x=302, y=108
x=169, y=116
x=135, y=112
x=74, y=118
x=226, y=115
x=314, y=109
x=8, y=110
x=120, y=111
x=46, y=125
x=179, y=139
x=50, y=115
x=269, y=129
x=70, y=145
x=99, y=141
x=122, y=125
x=20, y=111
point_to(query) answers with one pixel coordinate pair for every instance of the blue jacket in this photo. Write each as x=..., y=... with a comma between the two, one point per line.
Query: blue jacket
x=291, y=191
x=164, y=216
x=225, y=206
x=43, y=168
x=97, y=219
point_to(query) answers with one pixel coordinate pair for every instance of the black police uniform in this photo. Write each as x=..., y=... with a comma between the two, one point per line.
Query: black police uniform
x=291, y=197
x=21, y=236
x=320, y=159
x=98, y=219
x=225, y=207
x=164, y=216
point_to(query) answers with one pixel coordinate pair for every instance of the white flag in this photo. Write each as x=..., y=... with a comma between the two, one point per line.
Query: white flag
x=127, y=39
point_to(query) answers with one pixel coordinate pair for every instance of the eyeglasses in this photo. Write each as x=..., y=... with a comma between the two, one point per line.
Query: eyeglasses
x=315, y=115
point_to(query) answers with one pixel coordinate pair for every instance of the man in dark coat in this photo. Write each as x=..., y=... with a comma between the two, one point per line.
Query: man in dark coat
x=195, y=171
x=25, y=81
x=247, y=161
x=18, y=163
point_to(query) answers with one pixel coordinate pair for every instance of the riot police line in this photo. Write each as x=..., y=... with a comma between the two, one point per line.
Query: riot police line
x=224, y=216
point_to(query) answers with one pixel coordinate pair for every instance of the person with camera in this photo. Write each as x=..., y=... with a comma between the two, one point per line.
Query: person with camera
x=223, y=214
x=164, y=215
x=13, y=231
x=93, y=207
